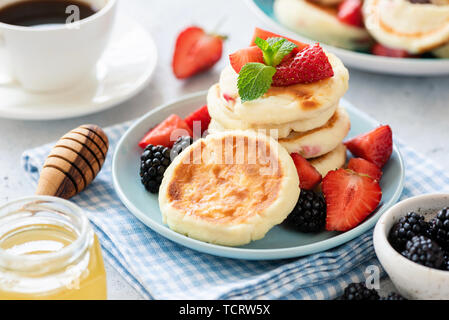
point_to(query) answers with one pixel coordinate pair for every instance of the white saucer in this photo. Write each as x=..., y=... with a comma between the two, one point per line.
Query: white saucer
x=123, y=71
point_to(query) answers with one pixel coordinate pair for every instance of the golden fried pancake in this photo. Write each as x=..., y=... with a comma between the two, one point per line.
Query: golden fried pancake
x=229, y=188
x=416, y=28
x=317, y=20
x=221, y=111
x=333, y=160
x=287, y=104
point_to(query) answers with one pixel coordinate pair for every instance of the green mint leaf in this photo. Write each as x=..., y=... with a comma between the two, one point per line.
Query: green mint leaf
x=274, y=49
x=254, y=80
x=284, y=49
x=276, y=43
x=262, y=44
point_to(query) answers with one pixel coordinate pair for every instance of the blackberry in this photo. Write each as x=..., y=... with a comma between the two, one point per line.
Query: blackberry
x=393, y=296
x=359, y=291
x=424, y=251
x=406, y=228
x=180, y=145
x=439, y=228
x=446, y=262
x=153, y=163
x=309, y=214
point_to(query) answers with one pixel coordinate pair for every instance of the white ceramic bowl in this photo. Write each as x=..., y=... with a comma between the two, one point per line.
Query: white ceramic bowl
x=412, y=280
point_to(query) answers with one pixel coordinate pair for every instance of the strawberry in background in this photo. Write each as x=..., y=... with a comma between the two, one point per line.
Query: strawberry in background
x=381, y=50
x=350, y=12
x=196, y=51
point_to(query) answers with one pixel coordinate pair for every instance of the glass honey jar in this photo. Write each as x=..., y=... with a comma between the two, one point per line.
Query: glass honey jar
x=48, y=250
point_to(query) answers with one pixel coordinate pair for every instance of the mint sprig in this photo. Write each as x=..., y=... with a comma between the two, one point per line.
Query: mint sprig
x=256, y=78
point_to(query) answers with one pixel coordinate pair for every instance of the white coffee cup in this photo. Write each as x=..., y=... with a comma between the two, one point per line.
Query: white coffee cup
x=54, y=57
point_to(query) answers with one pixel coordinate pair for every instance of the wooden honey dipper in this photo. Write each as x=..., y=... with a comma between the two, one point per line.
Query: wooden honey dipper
x=74, y=162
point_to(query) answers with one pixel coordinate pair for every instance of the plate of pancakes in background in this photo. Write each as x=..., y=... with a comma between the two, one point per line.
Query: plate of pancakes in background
x=280, y=242
x=392, y=23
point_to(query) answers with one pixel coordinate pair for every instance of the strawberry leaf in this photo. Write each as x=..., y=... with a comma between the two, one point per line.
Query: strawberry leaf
x=254, y=80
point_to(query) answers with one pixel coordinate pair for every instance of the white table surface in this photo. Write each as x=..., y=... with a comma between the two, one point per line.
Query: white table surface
x=416, y=108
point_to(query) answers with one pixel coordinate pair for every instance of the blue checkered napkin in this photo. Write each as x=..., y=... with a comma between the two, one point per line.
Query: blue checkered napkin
x=161, y=269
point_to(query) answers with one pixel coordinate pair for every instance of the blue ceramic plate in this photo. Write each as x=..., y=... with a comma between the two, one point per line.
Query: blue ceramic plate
x=279, y=243
x=364, y=61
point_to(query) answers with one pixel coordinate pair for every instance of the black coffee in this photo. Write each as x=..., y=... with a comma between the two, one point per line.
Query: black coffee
x=28, y=13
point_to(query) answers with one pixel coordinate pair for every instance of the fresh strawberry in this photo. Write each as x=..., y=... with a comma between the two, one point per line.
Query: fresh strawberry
x=350, y=199
x=308, y=65
x=381, y=50
x=196, y=51
x=202, y=116
x=240, y=58
x=350, y=12
x=363, y=166
x=375, y=146
x=309, y=177
x=264, y=35
x=166, y=133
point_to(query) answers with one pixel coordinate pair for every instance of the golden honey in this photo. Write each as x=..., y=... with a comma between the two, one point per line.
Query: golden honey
x=48, y=250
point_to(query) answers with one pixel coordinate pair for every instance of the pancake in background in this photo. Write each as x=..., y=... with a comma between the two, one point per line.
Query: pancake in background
x=229, y=202
x=400, y=24
x=320, y=23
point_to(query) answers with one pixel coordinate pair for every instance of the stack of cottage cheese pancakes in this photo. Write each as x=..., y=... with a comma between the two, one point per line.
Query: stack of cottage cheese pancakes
x=305, y=118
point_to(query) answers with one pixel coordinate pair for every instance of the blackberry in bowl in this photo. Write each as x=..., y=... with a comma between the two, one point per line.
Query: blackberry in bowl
x=419, y=271
x=439, y=228
x=409, y=226
x=425, y=252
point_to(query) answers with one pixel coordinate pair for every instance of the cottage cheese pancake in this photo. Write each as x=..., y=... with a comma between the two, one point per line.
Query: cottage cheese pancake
x=287, y=104
x=335, y=159
x=313, y=143
x=416, y=28
x=220, y=110
x=319, y=21
x=316, y=142
x=229, y=188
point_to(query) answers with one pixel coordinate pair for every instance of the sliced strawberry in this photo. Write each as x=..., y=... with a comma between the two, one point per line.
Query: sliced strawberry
x=309, y=65
x=309, y=177
x=196, y=51
x=375, y=146
x=243, y=56
x=166, y=133
x=381, y=50
x=200, y=116
x=264, y=35
x=363, y=166
x=350, y=199
x=350, y=12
